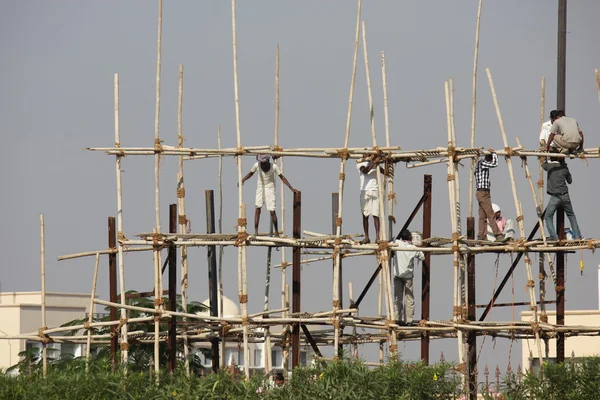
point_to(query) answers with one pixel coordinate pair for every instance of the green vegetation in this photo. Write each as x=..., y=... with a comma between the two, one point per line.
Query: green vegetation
x=344, y=379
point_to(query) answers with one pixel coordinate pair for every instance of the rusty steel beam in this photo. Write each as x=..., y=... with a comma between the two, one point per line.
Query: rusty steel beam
x=172, y=259
x=426, y=268
x=296, y=275
x=212, y=274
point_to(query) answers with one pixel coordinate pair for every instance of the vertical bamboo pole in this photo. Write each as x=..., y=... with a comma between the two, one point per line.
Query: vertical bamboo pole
x=391, y=195
x=157, y=145
x=452, y=197
x=542, y=117
x=342, y=177
x=221, y=248
x=242, y=210
x=91, y=315
x=43, y=294
x=390, y=188
x=474, y=106
x=182, y=219
x=519, y=218
x=268, y=361
x=285, y=352
x=462, y=293
x=384, y=254
x=351, y=299
x=124, y=339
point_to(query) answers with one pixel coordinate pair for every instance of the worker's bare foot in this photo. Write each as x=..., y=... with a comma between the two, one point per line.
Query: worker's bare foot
x=365, y=241
x=255, y=233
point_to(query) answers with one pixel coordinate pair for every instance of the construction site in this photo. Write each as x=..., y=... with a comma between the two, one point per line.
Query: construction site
x=338, y=325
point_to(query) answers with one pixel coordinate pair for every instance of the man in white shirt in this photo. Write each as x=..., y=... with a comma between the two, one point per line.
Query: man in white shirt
x=403, y=268
x=369, y=194
x=265, y=188
x=545, y=133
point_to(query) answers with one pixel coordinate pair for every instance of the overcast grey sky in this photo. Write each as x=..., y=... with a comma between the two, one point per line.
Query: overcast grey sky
x=58, y=60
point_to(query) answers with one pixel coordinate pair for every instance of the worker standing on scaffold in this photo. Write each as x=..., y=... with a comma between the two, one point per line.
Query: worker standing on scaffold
x=369, y=193
x=484, y=198
x=556, y=187
x=403, y=268
x=265, y=188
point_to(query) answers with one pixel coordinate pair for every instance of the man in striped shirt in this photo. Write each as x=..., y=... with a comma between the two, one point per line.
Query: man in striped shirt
x=482, y=181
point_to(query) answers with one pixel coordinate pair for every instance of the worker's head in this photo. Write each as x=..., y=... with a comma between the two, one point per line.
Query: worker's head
x=263, y=158
x=497, y=210
x=560, y=113
x=279, y=381
x=488, y=157
x=406, y=235
x=553, y=115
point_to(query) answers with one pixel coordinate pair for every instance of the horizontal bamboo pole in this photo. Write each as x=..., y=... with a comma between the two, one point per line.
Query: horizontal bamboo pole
x=108, y=251
x=392, y=153
x=347, y=244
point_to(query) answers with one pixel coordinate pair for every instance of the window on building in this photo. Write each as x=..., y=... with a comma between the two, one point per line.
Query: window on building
x=258, y=354
x=240, y=358
x=303, y=358
x=275, y=359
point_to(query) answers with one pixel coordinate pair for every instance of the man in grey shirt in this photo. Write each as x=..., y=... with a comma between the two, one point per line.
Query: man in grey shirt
x=556, y=187
x=566, y=133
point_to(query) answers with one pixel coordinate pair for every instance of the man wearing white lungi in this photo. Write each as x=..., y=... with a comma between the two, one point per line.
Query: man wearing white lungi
x=265, y=188
x=369, y=194
x=403, y=268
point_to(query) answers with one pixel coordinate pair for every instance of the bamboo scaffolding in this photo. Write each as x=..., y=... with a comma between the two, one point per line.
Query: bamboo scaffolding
x=182, y=217
x=43, y=293
x=384, y=255
x=255, y=327
x=530, y=285
x=120, y=234
x=91, y=312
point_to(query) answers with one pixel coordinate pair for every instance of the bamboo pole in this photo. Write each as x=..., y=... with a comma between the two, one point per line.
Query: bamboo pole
x=519, y=218
x=539, y=211
x=242, y=210
x=120, y=234
x=351, y=298
x=474, y=105
x=157, y=144
x=383, y=256
x=91, y=314
x=452, y=201
x=342, y=175
x=391, y=195
x=221, y=248
x=285, y=350
x=462, y=266
x=182, y=220
x=541, y=170
x=101, y=252
x=43, y=294
x=267, y=345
